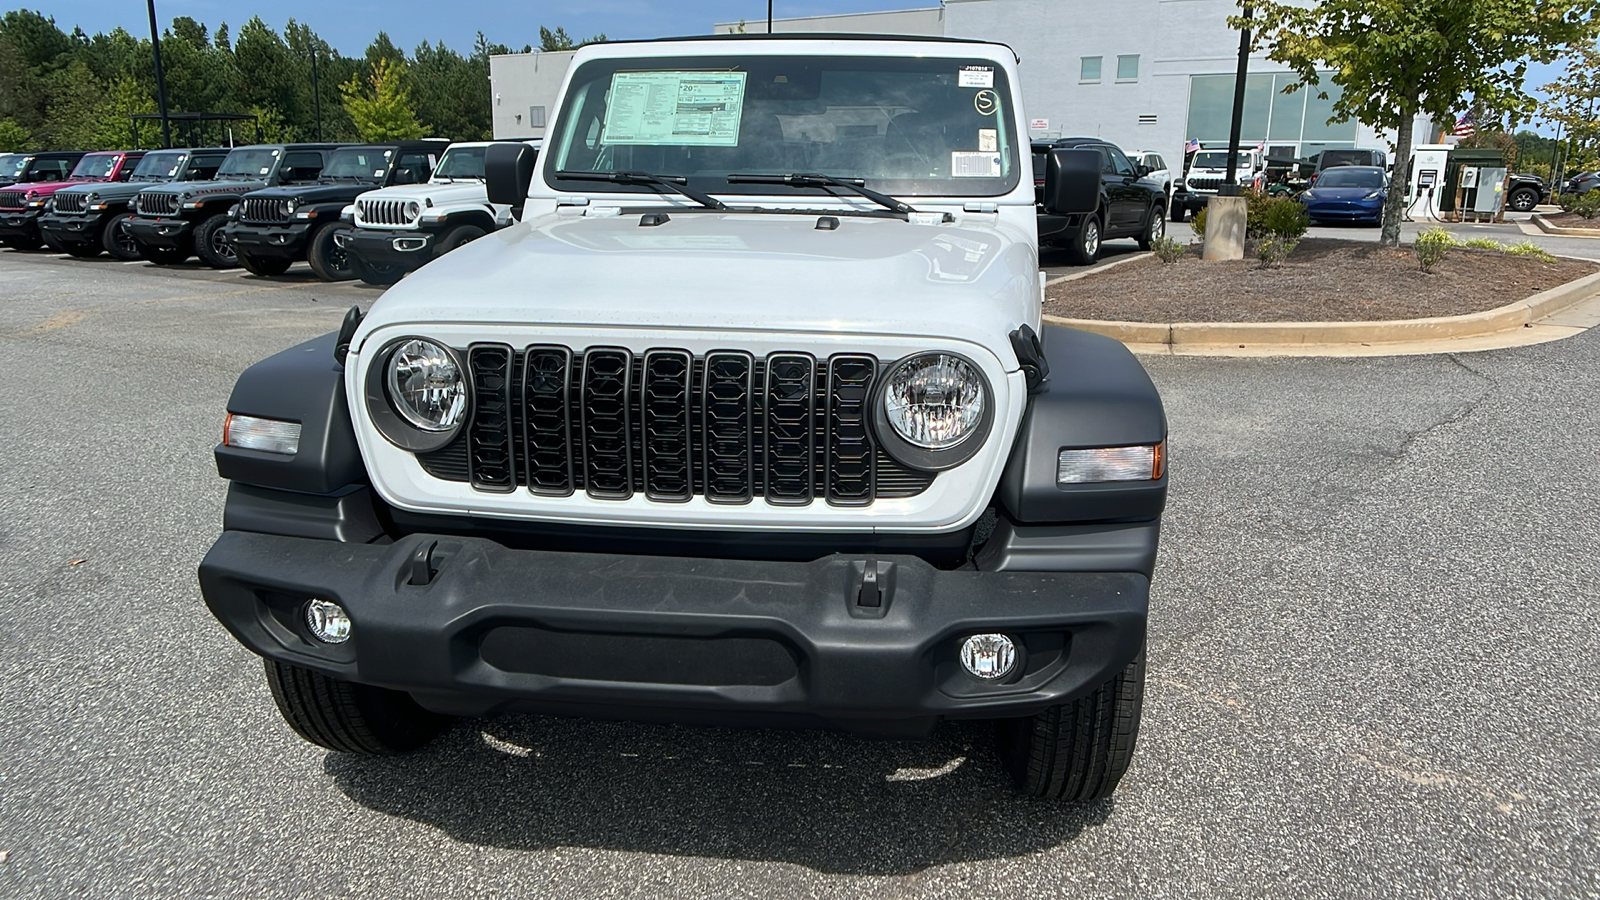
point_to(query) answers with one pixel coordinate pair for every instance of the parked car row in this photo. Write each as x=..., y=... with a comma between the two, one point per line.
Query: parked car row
x=1133, y=200
x=368, y=211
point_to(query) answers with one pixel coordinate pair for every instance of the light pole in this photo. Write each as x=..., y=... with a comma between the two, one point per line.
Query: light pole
x=161, y=82
x=769, y=16
x=1230, y=185
x=316, y=91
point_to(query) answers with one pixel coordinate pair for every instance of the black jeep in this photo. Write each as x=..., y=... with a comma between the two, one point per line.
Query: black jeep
x=275, y=227
x=186, y=218
x=1129, y=205
x=88, y=219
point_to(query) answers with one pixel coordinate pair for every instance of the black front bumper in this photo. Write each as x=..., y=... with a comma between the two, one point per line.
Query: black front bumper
x=408, y=250
x=71, y=231
x=714, y=641
x=169, y=232
x=280, y=241
x=24, y=225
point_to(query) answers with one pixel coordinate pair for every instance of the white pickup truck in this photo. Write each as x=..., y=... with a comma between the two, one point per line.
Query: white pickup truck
x=750, y=418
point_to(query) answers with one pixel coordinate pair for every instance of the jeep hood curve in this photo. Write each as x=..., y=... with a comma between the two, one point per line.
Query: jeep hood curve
x=440, y=193
x=969, y=279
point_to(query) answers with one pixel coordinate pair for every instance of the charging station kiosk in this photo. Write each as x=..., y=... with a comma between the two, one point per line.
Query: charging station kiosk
x=1425, y=194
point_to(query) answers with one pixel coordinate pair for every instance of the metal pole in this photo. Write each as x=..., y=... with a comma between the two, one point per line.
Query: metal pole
x=316, y=91
x=1230, y=186
x=161, y=82
x=769, y=16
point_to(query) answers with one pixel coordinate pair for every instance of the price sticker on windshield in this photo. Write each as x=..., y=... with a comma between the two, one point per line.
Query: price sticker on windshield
x=976, y=77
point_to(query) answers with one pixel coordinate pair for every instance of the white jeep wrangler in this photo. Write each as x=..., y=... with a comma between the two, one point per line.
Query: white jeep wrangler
x=399, y=229
x=750, y=419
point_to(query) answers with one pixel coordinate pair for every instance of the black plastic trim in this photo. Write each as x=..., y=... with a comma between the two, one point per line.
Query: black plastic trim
x=349, y=516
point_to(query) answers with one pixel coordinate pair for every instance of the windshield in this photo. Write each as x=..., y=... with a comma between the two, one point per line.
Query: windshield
x=249, y=163
x=359, y=163
x=11, y=165
x=461, y=162
x=1347, y=158
x=161, y=166
x=1218, y=159
x=95, y=166
x=1351, y=178
x=908, y=126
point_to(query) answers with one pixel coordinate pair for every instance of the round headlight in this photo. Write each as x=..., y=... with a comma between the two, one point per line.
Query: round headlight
x=287, y=207
x=935, y=400
x=427, y=386
x=413, y=209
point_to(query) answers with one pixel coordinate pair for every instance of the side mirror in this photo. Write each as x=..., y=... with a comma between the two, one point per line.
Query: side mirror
x=1143, y=170
x=507, y=172
x=1072, y=181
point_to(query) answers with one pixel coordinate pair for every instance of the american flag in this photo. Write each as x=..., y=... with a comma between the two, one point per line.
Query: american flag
x=1466, y=126
x=1191, y=147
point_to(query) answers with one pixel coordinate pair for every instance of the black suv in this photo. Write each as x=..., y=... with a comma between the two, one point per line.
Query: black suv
x=88, y=219
x=1129, y=205
x=49, y=165
x=186, y=218
x=275, y=227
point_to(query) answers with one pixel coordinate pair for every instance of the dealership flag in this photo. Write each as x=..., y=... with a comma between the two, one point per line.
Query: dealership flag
x=1466, y=126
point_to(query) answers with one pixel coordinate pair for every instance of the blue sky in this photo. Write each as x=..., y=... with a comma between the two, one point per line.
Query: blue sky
x=350, y=25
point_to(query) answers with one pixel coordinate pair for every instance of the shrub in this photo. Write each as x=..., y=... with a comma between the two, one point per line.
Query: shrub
x=1529, y=248
x=1431, y=247
x=1565, y=201
x=1167, y=250
x=1587, y=205
x=1481, y=243
x=1198, y=225
x=1272, y=250
x=1283, y=217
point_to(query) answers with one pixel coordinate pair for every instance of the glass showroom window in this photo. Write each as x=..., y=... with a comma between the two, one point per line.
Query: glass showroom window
x=1090, y=70
x=1128, y=68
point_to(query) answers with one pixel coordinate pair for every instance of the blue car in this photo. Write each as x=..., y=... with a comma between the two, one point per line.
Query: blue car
x=1347, y=194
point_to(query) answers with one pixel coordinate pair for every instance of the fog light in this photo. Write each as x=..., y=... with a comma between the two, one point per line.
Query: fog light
x=328, y=621
x=989, y=656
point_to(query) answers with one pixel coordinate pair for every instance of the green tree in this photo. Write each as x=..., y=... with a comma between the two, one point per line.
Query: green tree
x=381, y=109
x=560, y=40
x=1573, y=102
x=1396, y=59
x=14, y=137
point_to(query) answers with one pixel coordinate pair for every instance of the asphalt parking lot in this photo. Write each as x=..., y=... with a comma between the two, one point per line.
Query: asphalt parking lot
x=1374, y=658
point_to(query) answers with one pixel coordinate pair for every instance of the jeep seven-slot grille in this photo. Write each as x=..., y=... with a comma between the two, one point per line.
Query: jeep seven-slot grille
x=71, y=202
x=262, y=211
x=726, y=426
x=1205, y=184
x=382, y=212
x=157, y=203
x=13, y=199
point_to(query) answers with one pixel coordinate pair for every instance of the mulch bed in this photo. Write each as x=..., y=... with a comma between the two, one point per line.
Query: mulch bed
x=1324, y=280
x=1570, y=220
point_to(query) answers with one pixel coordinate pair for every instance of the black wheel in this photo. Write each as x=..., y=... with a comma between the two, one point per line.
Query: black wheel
x=457, y=236
x=58, y=247
x=1076, y=752
x=82, y=251
x=350, y=718
x=1523, y=199
x=1155, y=227
x=211, y=245
x=330, y=261
x=1179, y=213
x=163, y=256
x=1083, y=241
x=265, y=266
x=24, y=243
x=381, y=274
x=116, y=240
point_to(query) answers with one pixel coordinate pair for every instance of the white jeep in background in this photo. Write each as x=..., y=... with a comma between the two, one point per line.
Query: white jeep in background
x=749, y=418
x=398, y=229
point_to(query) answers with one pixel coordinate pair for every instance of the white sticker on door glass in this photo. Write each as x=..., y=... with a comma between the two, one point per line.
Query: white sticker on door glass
x=966, y=164
x=697, y=109
x=988, y=140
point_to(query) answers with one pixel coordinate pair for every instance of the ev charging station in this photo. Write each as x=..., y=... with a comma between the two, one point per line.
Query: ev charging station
x=1425, y=188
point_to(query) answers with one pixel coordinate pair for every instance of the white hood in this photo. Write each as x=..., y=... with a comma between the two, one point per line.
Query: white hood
x=971, y=279
x=440, y=194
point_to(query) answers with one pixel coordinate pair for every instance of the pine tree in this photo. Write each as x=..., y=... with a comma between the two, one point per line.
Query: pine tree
x=381, y=109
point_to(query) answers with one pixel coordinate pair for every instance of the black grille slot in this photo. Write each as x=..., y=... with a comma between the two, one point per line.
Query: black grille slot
x=263, y=210
x=547, y=420
x=491, y=459
x=13, y=199
x=727, y=426
x=71, y=202
x=607, y=424
x=788, y=456
x=157, y=203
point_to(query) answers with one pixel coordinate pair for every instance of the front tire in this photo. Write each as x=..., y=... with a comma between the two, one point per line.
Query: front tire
x=350, y=718
x=1523, y=199
x=330, y=261
x=264, y=266
x=378, y=274
x=82, y=251
x=163, y=256
x=1179, y=213
x=211, y=246
x=1076, y=752
x=1083, y=242
x=457, y=236
x=1155, y=227
x=24, y=244
x=116, y=239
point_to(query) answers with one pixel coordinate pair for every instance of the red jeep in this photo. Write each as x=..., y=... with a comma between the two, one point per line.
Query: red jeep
x=21, y=204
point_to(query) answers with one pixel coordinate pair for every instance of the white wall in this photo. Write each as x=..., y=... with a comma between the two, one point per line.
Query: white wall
x=924, y=22
x=519, y=81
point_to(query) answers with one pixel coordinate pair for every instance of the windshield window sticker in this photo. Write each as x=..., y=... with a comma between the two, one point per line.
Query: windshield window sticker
x=989, y=140
x=976, y=77
x=969, y=164
x=697, y=109
x=987, y=102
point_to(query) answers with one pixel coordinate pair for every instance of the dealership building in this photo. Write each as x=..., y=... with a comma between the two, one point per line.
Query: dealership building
x=1143, y=74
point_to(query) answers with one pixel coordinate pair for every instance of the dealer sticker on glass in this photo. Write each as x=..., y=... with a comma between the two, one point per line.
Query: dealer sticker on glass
x=697, y=109
x=967, y=164
x=976, y=77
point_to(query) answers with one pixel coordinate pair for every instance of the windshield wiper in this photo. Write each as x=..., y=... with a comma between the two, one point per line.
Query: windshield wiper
x=671, y=182
x=814, y=179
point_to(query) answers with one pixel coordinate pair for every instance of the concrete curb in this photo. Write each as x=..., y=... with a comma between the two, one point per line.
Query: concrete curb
x=1547, y=228
x=1097, y=269
x=1179, y=335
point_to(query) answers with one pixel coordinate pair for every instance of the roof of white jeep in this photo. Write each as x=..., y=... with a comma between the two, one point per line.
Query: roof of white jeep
x=813, y=36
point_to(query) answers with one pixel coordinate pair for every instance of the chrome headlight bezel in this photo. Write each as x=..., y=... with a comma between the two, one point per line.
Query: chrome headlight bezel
x=926, y=458
x=384, y=409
